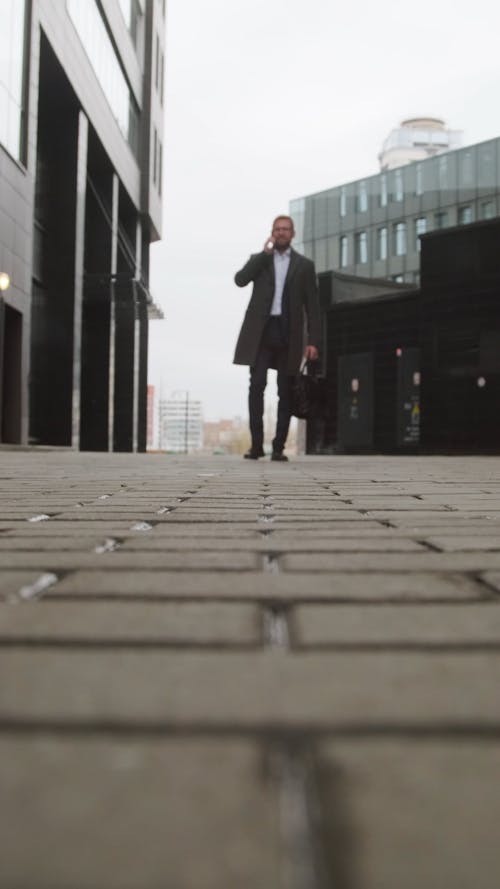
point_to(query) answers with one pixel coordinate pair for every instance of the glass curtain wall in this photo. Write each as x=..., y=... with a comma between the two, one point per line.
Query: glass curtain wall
x=94, y=36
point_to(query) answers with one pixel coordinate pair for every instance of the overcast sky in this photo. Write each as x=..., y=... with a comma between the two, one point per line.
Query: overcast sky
x=269, y=101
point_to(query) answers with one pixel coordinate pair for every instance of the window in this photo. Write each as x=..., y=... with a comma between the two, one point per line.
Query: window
x=383, y=191
x=132, y=14
x=464, y=215
x=486, y=172
x=343, y=202
x=397, y=185
x=361, y=248
x=155, y=156
x=419, y=180
x=400, y=239
x=443, y=172
x=157, y=64
x=96, y=41
x=441, y=219
x=466, y=168
x=160, y=167
x=362, y=198
x=487, y=210
x=382, y=243
x=344, y=252
x=12, y=65
x=420, y=229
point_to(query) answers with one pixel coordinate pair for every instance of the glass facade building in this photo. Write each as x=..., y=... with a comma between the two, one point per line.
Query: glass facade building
x=370, y=227
x=81, y=153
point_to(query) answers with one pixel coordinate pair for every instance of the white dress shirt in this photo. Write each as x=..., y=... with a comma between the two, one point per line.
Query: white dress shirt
x=281, y=263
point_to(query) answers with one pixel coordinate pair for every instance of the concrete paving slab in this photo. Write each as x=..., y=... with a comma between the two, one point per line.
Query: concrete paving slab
x=353, y=586
x=192, y=561
x=271, y=544
x=91, y=813
x=47, y=543
x=130, y=623
x=425, y=561
x=66, y=528
x=331, y=690
x=465, y=542
x=384, y=629
x=403, y=814
x=432, y=625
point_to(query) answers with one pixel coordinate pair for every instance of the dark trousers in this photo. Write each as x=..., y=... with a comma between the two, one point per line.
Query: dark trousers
x=273, y=352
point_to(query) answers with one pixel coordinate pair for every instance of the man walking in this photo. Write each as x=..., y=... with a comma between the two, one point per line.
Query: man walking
x=282, y=310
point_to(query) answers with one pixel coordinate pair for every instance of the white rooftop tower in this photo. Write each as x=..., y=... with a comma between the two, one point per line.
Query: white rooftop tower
x=416, y=139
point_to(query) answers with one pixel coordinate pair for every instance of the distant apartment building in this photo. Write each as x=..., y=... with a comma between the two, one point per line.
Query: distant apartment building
x=180, y=425
x=371, y=227
x=81, y=155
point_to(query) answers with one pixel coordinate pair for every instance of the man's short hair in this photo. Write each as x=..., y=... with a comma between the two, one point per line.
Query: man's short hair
x=283, y=216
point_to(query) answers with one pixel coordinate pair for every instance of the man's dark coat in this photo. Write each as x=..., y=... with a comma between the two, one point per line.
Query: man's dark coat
x=300, y=307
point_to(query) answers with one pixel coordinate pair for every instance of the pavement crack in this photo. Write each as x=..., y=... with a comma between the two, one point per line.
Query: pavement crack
x=303, y=862
x=270, y=563
x=275, y=628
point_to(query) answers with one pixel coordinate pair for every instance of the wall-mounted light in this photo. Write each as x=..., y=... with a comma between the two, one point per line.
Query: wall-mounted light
x=4, y=281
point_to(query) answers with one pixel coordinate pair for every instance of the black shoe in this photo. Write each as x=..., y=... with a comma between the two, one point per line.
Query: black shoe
x=254, y=454
x=279, y=456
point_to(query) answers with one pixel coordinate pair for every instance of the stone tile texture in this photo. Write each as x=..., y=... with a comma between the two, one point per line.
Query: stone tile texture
x=265, y=676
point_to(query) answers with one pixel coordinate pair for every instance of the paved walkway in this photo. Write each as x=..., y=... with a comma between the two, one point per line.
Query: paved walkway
x=223, y=675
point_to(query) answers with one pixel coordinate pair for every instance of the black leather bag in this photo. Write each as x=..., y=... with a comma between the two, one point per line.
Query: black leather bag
x=304, y=393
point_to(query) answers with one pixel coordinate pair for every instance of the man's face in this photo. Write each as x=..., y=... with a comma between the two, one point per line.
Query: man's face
x=282, y=233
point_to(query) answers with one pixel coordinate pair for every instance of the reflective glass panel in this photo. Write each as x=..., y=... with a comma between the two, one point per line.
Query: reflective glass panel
x=420, y=229
x=94, y=36
x=382, y=243
x=488, y=210
x=343, y=202
x=361, y=248
x=441, y=219
x=400, y=238
x=362, y=198
x=419, y=180
x=397, y=185
x=464, y=215
x=12, y=13
x=344, y=252
x=383, y=190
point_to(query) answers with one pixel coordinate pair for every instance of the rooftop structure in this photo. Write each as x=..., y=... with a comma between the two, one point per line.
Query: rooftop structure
x=416, y=139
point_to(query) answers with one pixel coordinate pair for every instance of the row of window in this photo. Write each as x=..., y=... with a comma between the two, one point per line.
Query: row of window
x=399, y=235
x=391, y=185
x=94, y=36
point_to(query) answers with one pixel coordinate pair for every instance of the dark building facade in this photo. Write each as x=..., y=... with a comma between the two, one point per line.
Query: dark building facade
x=410, y=370
x=80, y=203
x=460, y=339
